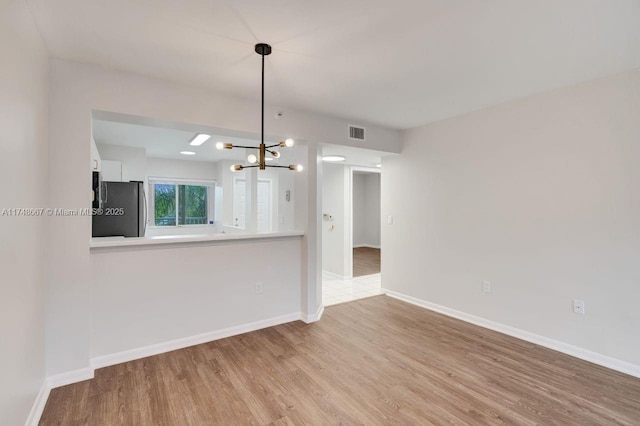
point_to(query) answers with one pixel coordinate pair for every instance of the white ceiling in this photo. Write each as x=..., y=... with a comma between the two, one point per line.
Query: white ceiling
x=397, y=63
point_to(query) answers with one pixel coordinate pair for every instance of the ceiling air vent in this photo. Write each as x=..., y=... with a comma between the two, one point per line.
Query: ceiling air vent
x=356, y=133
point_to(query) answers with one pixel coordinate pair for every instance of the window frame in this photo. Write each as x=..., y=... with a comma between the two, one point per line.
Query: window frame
x=211, y=191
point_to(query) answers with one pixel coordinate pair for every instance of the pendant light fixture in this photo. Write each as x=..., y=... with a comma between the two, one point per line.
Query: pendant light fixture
x=260, y=160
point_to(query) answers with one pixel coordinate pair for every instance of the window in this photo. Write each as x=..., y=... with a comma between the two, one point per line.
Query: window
x=181, y=202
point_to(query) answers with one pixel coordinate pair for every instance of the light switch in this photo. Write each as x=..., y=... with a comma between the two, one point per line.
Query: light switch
x=389, y=220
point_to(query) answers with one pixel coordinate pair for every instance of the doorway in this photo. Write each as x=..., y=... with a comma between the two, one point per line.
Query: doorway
x=366, y=222
x=350, y=226
x=264, y=206
x=239, y=203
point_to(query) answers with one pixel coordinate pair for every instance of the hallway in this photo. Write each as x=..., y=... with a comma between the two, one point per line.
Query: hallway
x=336, y=290
x=366, y=261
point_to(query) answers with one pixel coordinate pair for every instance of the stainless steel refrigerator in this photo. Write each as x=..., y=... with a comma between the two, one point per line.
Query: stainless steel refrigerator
x=123, y=212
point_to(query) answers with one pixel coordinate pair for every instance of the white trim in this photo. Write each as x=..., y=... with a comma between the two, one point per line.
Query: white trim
x=348, y=212
x=170, y=180
x=314, y=317
x=69, y=377
x=575, y=351
x=365, y=245
x=366, y=169
x=172, y=345
x=38, y=404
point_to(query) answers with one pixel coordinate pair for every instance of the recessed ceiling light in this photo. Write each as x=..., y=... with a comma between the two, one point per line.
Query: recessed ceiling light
x=187, y=153
x=199, y=139
x=379, y=165
x=333, y=158
x=268, y=159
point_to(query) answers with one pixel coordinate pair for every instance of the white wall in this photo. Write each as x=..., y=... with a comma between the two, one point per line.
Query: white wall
x=23, y=171
x=542, y=198
x=366, y=209
x=164, y=293
x=359, y=210
x=134, y=160
x=336, y=238
x=79, y=89
x=184, y=169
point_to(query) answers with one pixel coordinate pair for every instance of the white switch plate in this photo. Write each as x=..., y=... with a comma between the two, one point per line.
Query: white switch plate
x=259, y=287
x=389, y=220
x=486, y=286
x=578, y=306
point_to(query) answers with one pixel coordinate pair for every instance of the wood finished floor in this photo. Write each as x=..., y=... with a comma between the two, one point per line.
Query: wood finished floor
x=372, y=361
x=366, y=261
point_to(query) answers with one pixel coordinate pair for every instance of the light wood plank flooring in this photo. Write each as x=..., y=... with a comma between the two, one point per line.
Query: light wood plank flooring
x=366, y=261
x=372, y=361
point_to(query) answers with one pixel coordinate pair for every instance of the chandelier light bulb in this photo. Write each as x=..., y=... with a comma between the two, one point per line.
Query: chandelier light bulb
x=296, y=167
x=252, y=159
x=220, y=145
x=287, y=143
x=275, y=154
x=236, y=168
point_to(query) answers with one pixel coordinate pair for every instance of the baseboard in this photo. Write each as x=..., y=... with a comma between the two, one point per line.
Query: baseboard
x=575, y=351
x=365, y=245
x=74, y=376
x=38, y=404
x=172, y=345
x=52, y=382
x=313, y=317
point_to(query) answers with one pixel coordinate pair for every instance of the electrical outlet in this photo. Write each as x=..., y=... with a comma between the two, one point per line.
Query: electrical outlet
x=578, y=306
x=486, y=286
x=259, y=287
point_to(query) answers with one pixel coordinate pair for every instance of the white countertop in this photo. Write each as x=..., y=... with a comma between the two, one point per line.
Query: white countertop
x=101, y=242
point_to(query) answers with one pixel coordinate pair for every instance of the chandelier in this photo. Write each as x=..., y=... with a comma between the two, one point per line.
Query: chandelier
x=260, y=160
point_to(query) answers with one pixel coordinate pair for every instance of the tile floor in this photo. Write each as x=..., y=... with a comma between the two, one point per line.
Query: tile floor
x=336, y=290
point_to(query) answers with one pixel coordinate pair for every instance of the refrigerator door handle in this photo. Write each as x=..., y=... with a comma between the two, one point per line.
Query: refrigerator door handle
x=105, y=189
x=146, y=212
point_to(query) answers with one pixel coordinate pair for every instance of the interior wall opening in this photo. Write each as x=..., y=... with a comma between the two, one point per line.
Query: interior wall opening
x=184, y=186
x=350, y=223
